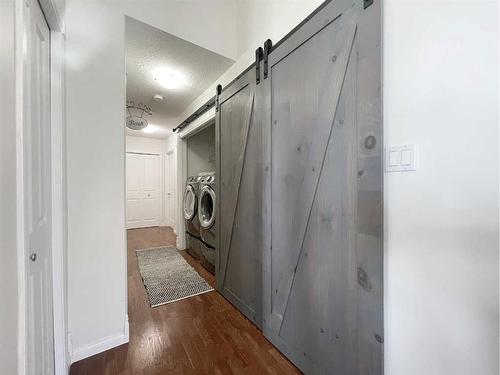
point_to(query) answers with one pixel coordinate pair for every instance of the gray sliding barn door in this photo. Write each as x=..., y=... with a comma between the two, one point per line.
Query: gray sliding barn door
x=323, y=252
x=239, y=176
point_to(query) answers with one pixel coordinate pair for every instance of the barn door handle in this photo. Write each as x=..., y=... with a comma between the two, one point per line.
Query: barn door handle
x=33, y=257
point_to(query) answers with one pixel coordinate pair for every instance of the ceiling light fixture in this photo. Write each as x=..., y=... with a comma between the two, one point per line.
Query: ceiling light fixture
x=135, y=119
x=150, y=129
x=169, y=78
x=158, y=98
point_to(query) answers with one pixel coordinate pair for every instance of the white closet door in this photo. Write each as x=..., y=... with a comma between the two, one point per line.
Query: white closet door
x=37, y=184
x=143, y=205
x=150, y=194
x=134, y=190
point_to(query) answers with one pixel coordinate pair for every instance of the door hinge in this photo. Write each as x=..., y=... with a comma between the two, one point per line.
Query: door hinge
x=268, y=46
x=218, y=91
x=258, y=57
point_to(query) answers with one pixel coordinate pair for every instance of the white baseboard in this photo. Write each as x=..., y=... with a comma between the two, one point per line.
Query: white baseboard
x=69, y=352
x=100, y=346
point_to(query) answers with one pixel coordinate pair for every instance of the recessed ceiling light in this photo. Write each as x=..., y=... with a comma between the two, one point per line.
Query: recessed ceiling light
x=150, y=129
x=157, y=98
x=169, y=78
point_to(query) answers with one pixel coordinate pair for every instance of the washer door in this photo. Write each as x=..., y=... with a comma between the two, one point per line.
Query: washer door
x=189, y=203
x=206, y=209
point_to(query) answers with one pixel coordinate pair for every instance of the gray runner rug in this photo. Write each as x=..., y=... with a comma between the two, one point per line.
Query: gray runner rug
x=167, y=276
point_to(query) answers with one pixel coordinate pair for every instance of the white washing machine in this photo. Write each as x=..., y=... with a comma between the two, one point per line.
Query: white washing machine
x=206, y=216
x=190, y=211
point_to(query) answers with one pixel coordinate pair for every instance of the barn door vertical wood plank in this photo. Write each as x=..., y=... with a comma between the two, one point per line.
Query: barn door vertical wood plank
x=231, y=188
x=305, y=191
x=266, y=207
x=218, y=275
x=321, y=312
x=369, y=195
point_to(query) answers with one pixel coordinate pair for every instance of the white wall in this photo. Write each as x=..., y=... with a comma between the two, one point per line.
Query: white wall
x=256, y=21
x=441, y=92
x=259, y=20
x=145, y=145
x=202, y=22
x=201, y=151
x=95, y=88
x=171, y=142
x=8, y=243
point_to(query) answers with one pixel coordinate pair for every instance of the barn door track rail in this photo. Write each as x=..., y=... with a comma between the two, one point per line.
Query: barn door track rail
x=260, y=54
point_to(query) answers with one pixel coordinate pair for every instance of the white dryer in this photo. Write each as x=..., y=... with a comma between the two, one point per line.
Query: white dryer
x=206, y=216
x=190, y=211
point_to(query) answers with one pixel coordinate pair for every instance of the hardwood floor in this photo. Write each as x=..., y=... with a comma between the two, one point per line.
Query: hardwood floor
x=203, y=334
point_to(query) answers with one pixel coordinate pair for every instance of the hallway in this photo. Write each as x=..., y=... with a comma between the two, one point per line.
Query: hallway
x=203, y=334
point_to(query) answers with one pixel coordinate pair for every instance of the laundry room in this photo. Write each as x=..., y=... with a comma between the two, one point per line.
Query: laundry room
x=199, y=197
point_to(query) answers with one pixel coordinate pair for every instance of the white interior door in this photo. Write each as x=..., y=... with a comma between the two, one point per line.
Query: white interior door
x=143, y=197
x=170, y=174
x=37, y=199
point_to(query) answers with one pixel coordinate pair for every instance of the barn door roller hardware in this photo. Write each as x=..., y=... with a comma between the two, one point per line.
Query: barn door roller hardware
x=205, y=107
x=217, y=93
x=258, y=57
x=268, y=46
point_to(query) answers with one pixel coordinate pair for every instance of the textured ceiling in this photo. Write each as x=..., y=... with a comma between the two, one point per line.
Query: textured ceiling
x=148, y=49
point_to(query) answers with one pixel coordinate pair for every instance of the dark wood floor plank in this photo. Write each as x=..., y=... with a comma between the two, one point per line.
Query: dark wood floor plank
x=203, y=334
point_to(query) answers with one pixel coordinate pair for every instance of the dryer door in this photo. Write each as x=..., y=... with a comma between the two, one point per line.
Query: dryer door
x=189, y=203
x=206, y=209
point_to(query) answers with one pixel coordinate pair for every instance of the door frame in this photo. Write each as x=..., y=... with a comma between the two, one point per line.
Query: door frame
x=160, y=184
x=58, y=188
x=170, y=153
x=196, y=126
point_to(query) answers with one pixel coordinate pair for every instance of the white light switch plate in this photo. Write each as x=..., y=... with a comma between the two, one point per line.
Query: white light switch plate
x=401, y=158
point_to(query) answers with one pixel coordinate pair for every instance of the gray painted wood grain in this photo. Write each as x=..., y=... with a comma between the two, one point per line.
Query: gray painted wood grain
x=369, y=234
x=322, y=237
x=300, y=194
x=304, y=106
x=239, y=278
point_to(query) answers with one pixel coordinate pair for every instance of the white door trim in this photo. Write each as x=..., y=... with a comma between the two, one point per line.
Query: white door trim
x=181, y=180
x=58, y=177
x=171, y=152
x=159, y=189
x=20, y=40
x=59, y=206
